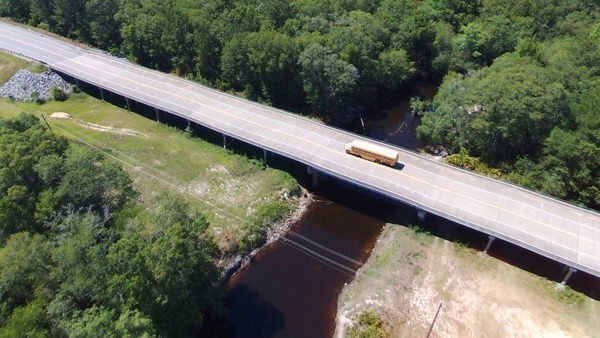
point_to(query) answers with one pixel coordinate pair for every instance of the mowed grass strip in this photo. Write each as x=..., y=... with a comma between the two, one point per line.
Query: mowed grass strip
x=10, y=64
x=228, y=188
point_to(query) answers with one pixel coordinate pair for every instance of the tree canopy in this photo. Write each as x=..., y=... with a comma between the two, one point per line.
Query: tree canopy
x=79, y=258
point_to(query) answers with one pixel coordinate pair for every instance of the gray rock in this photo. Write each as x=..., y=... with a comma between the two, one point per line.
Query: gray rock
x=24, y=84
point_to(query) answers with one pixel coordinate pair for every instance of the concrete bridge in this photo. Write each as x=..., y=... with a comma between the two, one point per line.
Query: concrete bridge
x=558, y=230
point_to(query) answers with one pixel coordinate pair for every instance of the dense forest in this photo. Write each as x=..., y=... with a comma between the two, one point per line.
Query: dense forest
x=519, y=78
x=80, y=258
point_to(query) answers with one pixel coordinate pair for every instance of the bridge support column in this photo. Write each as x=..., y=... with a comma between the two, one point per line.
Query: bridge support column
x=224, y=141
x=568, y=275
x=315, y=176
x=77, y=83
x=102, y=94
x=421, y=214
x=265, y=155
x=489, y=244
x=189, y=125
x=157, y=115
x=128, y=106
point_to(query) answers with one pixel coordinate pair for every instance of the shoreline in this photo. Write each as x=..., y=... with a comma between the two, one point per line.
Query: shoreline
x=232, y=265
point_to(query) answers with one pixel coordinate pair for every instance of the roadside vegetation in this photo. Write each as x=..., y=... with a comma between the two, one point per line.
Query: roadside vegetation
x=108, y=221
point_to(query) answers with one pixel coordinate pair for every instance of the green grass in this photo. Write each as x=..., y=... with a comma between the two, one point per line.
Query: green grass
x=228, y=188
x=10, y=64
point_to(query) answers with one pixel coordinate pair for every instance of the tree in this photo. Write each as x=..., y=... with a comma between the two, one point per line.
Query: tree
x=23, y=143
x=265, y=65
x=103, y=24
x=70, y=19
x=17, y=9
x=327, y=80
x=25, y=261
x=500, y=113
x=92, y=181
x=163, y=264
x=27, y=321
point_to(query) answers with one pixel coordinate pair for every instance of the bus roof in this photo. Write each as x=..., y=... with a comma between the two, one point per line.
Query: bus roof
x=376, y=148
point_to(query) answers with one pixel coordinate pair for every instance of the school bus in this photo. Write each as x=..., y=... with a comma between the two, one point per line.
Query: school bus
x=373, y=152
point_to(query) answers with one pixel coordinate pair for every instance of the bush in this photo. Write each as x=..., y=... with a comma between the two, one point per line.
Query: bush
x=367, y=326
x=465, y=161
x=59, y=94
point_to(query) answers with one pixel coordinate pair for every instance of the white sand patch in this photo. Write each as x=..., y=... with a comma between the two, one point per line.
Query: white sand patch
x=120, y=131
x=60, y=115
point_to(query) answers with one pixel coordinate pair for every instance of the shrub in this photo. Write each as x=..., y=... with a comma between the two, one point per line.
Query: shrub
x=59, y=94
x=368, y=325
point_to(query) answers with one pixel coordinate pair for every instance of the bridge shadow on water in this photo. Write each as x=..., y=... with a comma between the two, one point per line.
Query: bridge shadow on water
x=364, y=201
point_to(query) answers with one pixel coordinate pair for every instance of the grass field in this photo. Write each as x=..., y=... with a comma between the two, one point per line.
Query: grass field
x=9, y=65
x=228, y=188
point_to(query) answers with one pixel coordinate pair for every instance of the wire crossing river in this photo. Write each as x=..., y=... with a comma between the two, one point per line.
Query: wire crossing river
x=291, y=287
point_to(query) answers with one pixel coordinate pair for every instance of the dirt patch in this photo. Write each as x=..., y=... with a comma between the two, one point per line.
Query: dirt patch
x=60, y=115
x=120, y=131
x=409, y=274
x=98, y=127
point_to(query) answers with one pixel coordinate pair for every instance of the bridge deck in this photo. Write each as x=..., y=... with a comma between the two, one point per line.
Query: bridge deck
x=558, y=230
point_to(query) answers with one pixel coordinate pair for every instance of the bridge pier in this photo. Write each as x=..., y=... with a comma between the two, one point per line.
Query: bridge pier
x=128, y=106
x=568, y=275
x=421, y=214
x=315, y=176
x=157, y=115
x=489, y=244
x=265, y=155
x=101, y=93
x=224, y=141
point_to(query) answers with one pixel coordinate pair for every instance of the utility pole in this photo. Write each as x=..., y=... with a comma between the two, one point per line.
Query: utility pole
x=434, y=319
x=47, y=123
